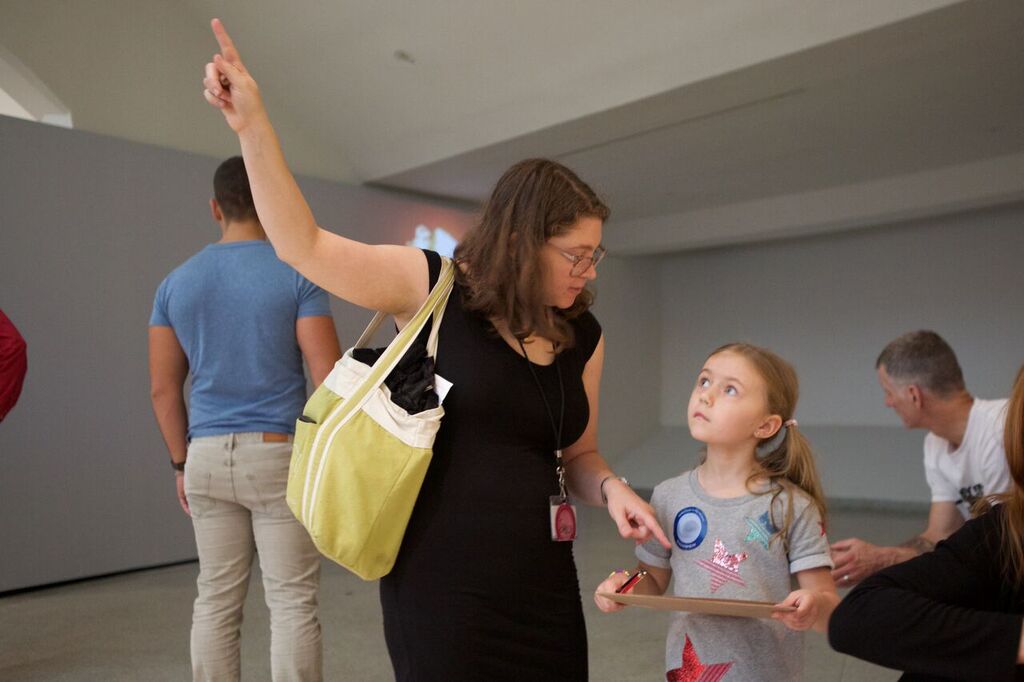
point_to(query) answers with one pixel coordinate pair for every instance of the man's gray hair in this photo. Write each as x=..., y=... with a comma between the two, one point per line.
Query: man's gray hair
x=923, y=358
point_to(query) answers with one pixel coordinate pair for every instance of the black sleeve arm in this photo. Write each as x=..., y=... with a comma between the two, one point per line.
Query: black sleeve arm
x=945, y=613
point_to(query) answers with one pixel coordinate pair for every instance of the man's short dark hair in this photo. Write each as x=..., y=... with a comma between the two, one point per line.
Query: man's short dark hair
x=231, y=190
x=923, y=358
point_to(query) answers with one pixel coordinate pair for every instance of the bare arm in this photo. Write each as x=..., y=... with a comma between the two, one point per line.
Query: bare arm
x=389, y=278
x=168, y=369
x=856, y=559
x=585, y=469
x=943, y=520
x=318, y=342
x=657, y=580
x=584, y=465
x=814, y=601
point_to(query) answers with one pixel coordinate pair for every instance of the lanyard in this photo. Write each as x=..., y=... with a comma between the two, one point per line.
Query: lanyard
x=556, y=429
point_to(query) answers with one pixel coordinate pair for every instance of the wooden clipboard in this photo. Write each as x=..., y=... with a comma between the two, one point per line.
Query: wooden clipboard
x=714, y=607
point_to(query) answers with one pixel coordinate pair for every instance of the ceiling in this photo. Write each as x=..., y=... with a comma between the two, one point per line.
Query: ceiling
x=701, y=123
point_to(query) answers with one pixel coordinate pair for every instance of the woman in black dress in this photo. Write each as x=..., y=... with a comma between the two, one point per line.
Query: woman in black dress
x=480, y=589
x=956, y=613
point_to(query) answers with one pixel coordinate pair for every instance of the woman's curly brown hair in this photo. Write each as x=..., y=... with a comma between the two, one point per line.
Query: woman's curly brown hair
x=533, y=201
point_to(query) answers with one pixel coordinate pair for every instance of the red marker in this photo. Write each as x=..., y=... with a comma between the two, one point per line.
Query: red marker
x=632, y=581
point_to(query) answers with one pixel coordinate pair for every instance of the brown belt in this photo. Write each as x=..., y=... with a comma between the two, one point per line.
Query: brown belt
x=270, y=437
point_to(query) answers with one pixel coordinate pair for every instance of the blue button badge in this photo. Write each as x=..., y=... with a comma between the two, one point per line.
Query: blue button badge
x=690, y=528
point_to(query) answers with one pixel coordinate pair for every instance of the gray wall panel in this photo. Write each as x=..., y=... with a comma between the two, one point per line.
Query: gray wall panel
x=89, y=225
x=628, y=306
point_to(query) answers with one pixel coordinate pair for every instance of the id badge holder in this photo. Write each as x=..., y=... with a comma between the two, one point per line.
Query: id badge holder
x=563, y=519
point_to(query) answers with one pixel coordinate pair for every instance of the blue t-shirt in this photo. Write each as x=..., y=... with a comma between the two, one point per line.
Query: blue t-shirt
x=233, y=308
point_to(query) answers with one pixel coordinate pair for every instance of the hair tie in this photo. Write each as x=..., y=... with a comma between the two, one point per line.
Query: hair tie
x=773, y=443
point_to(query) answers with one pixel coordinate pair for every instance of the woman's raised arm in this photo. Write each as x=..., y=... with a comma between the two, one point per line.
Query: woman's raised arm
x=386, y=277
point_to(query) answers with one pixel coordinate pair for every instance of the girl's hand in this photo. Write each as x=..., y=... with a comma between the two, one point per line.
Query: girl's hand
x=632, y=515
x=613, y=582
x=808, y=605
x=229, y=87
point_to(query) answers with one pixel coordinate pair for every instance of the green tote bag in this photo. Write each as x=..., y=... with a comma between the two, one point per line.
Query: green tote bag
x=359, y=459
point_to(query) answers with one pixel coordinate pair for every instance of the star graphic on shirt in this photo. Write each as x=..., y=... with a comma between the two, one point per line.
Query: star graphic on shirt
x=761, y=529
x=692, y=670
x=822, y=524
x=723, y=567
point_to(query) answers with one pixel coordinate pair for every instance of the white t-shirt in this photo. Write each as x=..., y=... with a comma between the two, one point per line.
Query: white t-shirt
x=975, y=469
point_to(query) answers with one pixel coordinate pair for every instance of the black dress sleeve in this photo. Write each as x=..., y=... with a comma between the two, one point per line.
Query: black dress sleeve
x=588, y=333
x=947, y=613
x=433, y=267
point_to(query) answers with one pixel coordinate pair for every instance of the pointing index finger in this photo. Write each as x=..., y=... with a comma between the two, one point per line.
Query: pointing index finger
x=660, y=534
x=227, y=47
x=654, y=527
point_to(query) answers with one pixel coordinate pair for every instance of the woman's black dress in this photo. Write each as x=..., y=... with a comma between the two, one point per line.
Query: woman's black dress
x=480, y=591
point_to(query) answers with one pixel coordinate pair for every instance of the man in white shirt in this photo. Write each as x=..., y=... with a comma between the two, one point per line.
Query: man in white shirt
x=964, y=459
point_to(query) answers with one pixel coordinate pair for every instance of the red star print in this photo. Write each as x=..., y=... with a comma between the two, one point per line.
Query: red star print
x=822, y=524
x=692, y=670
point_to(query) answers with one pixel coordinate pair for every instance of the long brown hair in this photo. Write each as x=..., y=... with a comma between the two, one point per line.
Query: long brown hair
x=1012, y=535
x=533, y=201
x=791, y=461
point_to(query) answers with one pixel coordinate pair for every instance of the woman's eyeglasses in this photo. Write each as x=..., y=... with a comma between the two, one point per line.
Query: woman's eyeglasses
x=580, y=264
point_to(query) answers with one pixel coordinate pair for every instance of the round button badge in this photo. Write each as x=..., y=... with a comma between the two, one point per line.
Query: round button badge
x=690, y=528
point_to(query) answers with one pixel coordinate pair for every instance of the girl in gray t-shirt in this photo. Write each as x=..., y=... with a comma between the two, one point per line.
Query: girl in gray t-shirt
x=744, y=522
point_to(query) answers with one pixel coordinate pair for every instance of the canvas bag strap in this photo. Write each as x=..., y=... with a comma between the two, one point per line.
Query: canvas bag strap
x=378, y=319
x=433, y=306
x=371, y=329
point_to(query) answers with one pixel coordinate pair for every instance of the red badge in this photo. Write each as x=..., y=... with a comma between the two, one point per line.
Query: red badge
x=563, y=520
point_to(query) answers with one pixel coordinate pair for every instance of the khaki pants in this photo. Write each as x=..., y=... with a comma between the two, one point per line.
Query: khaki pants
x=235, y=485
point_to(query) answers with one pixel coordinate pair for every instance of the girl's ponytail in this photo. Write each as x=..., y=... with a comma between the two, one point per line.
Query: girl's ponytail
x=792, y=463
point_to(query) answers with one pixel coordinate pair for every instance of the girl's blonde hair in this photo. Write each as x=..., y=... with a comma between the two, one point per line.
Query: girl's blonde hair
x=1012, y=532
x=790, y=462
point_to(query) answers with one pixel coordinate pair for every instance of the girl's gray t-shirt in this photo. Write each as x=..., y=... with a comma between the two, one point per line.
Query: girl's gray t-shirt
x=730, y=548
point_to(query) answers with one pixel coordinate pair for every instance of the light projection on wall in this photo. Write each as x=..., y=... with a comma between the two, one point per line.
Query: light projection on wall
x=437, y=239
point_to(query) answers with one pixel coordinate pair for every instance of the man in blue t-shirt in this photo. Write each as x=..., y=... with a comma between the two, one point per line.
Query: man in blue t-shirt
x=240, y=321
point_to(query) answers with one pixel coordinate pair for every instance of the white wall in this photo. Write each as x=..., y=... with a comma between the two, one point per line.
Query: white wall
x=829, y=305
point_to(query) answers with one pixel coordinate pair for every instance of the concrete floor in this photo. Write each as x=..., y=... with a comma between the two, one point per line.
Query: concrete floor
x=136, y=626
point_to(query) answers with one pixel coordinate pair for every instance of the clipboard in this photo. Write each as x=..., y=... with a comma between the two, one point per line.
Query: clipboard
x=714, y=607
